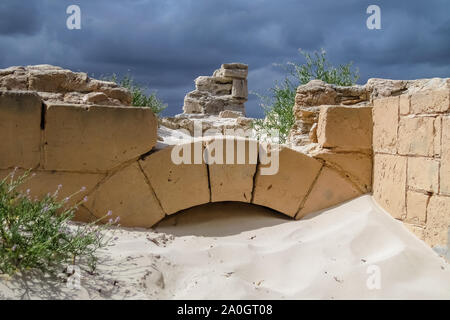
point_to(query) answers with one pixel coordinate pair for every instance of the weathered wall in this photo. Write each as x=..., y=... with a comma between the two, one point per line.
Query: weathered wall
x=110, y=152
x=411, y=143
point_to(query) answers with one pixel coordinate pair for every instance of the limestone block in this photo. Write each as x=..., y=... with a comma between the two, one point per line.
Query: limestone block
x=231, y=170
x=233, y=73
x=56, y=80
x=347, y=128
x=178, y=186
x=285, y=190
x=330, y=189
x=20, y=131
x=128, y=195
x=437, y=136
x=385, y=124
x=240, y=89
x=445, y=157
x=418, y=231
x=96, y=138
x=423, y=174
x=389, y=183
x=405, y=101
x=438, y=221
x=234, y=65
x=416, y=207
x=230, y=114
x=416, y=136
x=355, y=166
x=430, y=101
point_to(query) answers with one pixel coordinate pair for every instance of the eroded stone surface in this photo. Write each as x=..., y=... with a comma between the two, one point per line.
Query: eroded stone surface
x=286, y=190
x=20, y=129
x=385, y=124
x=389, y=183
x=231, y=172
x=55, y=84
x=438, y=221
x=127, y=194
x=225, y=90
x=96, y=138
x=347, y=128
x=329, y=189
x=178, y=186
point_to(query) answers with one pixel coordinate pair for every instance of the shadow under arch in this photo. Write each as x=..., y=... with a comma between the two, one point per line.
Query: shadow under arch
x=220, y=219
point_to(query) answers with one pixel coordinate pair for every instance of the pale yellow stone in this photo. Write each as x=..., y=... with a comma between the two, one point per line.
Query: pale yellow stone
x=405, y=101
x=430, y=101
x=438, y=221
x=416, y=136
x=416, y=207
x=445, y=157
x=177, y=186
x=20, y=131
x=128, y=195
x=389, y=183
x=355, y=166
x=96, y=138
x=330, y=189
x=418, y=231
x=230, y=180
x=286, y=190
x=347, y=128
x=423, y=174
x=385, y=124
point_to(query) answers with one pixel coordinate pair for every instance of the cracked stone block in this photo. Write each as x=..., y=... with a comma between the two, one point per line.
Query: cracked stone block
x=20, y=129
x=330, y=189
x=356, y=166
x=285, y=190
x=178, y=185
x=96, y=138
x=128, y=195
x=231, y=171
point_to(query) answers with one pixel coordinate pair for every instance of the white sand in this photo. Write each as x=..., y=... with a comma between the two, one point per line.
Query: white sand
x=239, y=251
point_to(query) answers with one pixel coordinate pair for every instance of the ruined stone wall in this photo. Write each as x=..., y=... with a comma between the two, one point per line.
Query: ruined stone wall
x=411, y=144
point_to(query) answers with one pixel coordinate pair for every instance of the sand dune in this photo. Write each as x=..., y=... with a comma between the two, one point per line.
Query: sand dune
x=240, y=251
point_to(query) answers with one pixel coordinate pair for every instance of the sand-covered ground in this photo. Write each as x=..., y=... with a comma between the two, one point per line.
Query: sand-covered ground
x=240, y=251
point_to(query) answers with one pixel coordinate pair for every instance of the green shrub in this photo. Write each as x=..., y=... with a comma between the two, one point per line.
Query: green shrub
x=36, y=234
x=140, y=98
x=278, y=106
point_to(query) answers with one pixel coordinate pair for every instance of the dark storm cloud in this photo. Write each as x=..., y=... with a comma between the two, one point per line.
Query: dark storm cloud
x=165, y=44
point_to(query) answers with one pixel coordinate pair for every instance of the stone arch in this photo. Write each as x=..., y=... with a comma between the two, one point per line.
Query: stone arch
x=145, y=191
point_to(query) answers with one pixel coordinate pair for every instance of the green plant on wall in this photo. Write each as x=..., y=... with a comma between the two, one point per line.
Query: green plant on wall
x=278, y=105
x=139, y=95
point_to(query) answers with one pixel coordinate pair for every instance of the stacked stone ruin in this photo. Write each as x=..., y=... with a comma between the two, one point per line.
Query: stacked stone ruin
x=226, y=89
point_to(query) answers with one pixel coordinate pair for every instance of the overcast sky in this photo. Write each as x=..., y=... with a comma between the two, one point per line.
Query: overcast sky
x=166, y=44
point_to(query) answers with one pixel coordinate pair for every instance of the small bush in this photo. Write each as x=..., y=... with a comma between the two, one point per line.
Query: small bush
x=36, y=234
x=278, y=106
x=140, y=98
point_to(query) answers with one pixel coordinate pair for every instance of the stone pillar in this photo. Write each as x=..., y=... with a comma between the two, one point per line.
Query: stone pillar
x=226, y=89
